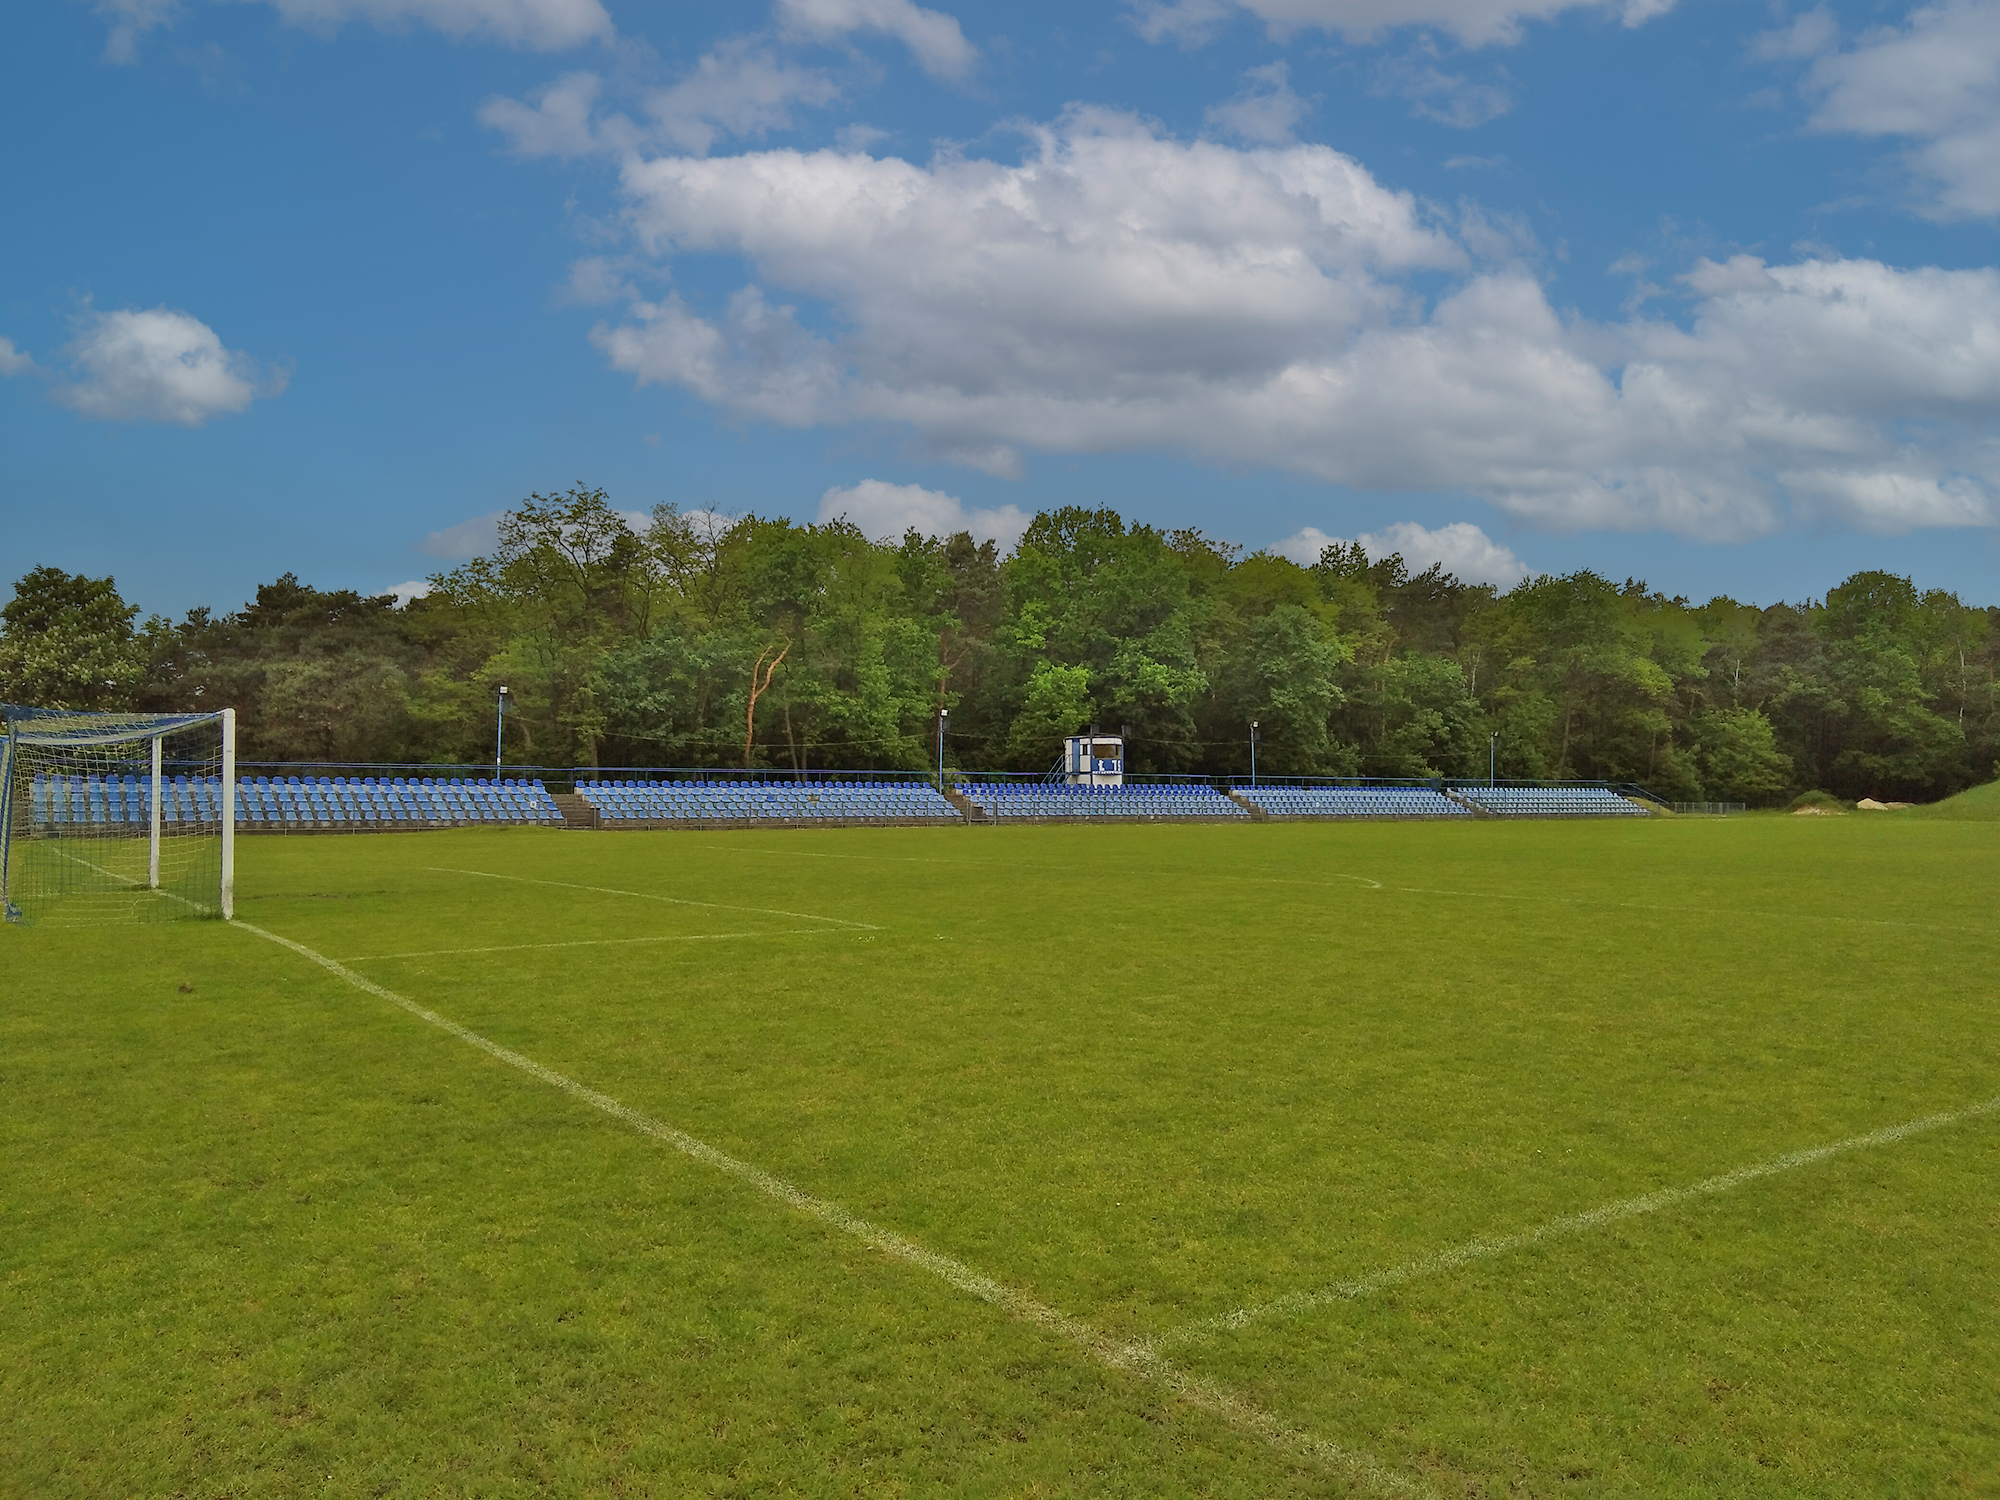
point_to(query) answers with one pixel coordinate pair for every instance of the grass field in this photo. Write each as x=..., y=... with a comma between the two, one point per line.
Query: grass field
x=1235, y=1161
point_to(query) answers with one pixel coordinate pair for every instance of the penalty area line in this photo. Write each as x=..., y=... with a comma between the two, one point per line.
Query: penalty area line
x=686, y=937
x=1566, y=1227
x=601, y=890
x=1138, y=1359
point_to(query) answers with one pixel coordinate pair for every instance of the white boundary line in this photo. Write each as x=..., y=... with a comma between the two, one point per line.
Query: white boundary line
x=1562, y=1228
x=600, y=890
x=1138, y=1359
x=691, y=937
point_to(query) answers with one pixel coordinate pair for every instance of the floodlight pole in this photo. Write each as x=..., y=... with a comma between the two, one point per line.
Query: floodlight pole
x=153, y=846
x=1253, y=754
x=943, y=714
x=499, y=728
x=1492, y=757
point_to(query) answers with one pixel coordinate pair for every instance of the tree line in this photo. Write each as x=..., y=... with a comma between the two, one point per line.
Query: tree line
x=697, y=643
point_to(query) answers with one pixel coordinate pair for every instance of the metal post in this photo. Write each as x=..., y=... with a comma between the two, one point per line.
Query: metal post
x=153, y=852
x=228, y=814
x=499, y=728
x=1253, y=754
x=943, y=714
x=1492, y=757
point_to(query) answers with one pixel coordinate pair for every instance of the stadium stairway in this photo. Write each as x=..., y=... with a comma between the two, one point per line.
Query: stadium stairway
x=576, y=810
x=1257, y=814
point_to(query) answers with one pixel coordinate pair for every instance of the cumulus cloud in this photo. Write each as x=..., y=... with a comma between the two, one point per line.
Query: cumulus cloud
x=544, y=25
x=130, y=20
x=1460, y=548
x=741, y=88
x=1267, y=110
x=1475, y=23
x=1117, y=290
x=1433, y=94
x=470, y=538
x=933, y=37
x=14, y=361
x=885, y=511
x=415, y=588
x=1934, y=81
x=159, y=366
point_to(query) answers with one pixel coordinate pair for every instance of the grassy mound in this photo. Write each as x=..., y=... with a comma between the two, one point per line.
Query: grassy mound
x=1824, y=802
x=1981, y=804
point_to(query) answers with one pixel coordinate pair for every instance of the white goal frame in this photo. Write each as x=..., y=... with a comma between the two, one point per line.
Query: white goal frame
x=32, y=728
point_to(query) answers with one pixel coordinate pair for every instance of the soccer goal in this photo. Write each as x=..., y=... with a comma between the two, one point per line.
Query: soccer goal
x=117, y=817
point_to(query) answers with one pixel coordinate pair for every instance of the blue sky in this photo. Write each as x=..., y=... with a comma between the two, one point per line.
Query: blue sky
x=1698, y=292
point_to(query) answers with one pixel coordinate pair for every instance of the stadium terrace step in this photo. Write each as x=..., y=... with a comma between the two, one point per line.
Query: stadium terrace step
x=576, y=810
x=1257, y=814
x=970, y=810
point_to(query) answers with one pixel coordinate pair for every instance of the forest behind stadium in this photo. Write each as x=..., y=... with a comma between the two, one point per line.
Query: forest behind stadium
x=626, y=646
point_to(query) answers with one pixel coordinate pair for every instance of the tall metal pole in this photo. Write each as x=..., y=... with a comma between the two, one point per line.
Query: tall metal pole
x=943, y=714
x=1492, y=758
x=499, y=727
x=153, y=850
x=1253, y=754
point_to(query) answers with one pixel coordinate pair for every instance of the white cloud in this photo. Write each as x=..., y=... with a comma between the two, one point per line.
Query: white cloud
x=14, y=361
x=742, y=88
x=885, y=511
x=1806, y=35
x=1473, y=22
x=1460, y=548
x=556, y=124
x=1267, y=110
x=472, y=538
x=545, y=25
x=1118, y=291
x=130, y=20
x=1934, y=81
x=933, y=37
x=1433, y=94
x=159, y=366
x=415, y=588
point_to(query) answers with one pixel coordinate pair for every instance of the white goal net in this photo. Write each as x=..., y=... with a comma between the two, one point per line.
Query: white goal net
x=117, y=817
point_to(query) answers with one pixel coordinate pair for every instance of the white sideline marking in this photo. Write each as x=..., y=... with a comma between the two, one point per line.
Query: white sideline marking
x=691, y=937
x=1139, y=1359
x=599, y=890
x=1562, y=1228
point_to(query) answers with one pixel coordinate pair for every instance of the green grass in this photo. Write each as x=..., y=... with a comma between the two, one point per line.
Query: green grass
x=1979, y=804
x=271, y=1235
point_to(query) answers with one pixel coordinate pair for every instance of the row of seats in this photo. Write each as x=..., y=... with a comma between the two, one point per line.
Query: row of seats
x=1282, y=802
x=1053, y=800
x=291, y=801
x=1551, y=802
x=784, y=801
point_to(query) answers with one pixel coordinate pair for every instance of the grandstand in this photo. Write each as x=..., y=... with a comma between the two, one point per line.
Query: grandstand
x=729, y=804
x=1053, y=801
x=1565, y=801
x=266, y=804
x=1286, y=803
x=269, y=804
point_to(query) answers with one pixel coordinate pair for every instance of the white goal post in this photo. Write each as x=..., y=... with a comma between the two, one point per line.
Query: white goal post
x=116, y=817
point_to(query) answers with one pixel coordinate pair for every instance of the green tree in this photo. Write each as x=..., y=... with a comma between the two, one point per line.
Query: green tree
x=67, y=641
